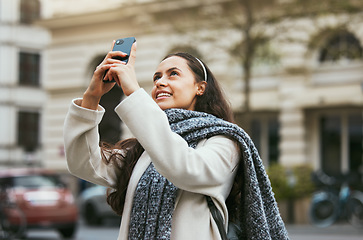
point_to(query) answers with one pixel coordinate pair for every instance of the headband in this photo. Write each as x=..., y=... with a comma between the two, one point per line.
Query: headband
x=204, y=70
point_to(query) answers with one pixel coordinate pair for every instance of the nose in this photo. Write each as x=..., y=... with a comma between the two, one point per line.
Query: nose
x=161, y=82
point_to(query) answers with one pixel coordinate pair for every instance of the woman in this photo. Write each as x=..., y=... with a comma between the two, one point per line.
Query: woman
x=184, y=149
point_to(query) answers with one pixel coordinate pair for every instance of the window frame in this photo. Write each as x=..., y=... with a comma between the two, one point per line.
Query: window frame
x=314, y=135
x=21, y=132
x=29, y=11
x=27, y=69
x=330, y=46
x=263, y=141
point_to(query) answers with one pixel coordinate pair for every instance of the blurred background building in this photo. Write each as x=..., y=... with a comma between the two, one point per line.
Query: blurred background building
x=292, y=69
x=22, y=95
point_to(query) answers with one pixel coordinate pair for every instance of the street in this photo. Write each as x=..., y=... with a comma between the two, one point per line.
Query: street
x=107, y=232
x=335, y=232
x=296, y=232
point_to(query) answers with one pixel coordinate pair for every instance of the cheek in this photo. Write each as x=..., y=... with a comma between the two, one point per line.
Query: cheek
x=153, y=90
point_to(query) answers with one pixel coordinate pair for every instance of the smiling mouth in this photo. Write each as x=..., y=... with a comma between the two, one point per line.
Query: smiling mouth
x=163, y=95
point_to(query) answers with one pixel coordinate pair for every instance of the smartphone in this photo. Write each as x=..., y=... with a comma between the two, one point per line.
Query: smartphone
x=123, y=45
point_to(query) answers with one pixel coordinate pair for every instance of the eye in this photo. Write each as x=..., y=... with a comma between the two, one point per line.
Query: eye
x=174, y=73
x=156, y=77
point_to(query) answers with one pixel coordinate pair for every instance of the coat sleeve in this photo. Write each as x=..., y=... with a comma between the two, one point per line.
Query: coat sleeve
x=211, y=165
x=81, y=140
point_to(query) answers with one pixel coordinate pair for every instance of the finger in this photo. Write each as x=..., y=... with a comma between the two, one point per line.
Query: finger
x=115, y=54
x=102, y=72
x=113, y=61
x=106, y=77
x=109, y=76
x=100, y=69
x=114, y=76
x=132, y=57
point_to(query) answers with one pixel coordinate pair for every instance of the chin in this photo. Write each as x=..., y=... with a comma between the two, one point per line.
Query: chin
x=164, y=107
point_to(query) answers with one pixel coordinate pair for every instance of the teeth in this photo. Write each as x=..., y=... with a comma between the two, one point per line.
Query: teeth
x=163, y=95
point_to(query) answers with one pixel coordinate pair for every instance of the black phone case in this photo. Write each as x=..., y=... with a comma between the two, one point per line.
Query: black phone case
x=123, y=45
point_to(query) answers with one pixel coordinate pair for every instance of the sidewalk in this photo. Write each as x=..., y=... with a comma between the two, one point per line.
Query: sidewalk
x=334, y=232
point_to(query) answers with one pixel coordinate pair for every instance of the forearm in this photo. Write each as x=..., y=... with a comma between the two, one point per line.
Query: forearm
x=81, y=141
x=90, y=101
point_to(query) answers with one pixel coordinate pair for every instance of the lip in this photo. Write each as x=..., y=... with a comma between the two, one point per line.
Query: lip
x=157, y=97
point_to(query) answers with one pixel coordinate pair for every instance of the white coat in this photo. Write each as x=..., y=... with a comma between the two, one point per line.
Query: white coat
x=205, y=170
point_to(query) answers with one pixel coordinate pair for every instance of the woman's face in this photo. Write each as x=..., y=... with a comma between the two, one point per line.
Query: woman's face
x=175, y=85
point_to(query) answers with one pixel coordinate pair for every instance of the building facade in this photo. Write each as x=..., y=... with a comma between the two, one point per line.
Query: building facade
x=306, y=94
x=22, y=96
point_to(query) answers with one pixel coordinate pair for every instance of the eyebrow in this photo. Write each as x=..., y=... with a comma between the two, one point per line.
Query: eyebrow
x=169, y=70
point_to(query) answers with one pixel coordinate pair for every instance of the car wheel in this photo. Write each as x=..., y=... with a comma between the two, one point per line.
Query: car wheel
x=91, y=215
x=68, y=232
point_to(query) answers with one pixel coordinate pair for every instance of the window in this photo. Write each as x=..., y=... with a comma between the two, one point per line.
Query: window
x=28, y=130
x=29, y=11
x=330, y=127
x=265, y=135
x=355, y=142
x=341, y=137
x=341, y=47
x=29, y=69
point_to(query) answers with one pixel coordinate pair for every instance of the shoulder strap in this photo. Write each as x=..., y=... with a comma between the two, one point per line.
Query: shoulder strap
x=217, y=217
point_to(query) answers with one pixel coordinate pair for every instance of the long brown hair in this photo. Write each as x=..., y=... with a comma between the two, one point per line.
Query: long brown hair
x=212, y=101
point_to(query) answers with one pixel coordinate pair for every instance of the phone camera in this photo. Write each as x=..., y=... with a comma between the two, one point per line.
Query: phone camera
x=120, y=41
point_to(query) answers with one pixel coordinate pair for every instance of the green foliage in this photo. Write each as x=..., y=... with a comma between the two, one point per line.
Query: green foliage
x=279, y=182
x=305, y=185
x=291, y=183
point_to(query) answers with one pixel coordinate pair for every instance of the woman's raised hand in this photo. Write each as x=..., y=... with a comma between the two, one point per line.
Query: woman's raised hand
x=123, y=74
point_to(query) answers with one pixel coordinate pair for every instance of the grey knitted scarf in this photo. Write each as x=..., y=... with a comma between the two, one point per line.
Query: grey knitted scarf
x=155, y=196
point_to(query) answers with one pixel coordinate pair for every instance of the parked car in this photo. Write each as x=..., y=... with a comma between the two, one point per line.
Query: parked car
x=44, y=199
x=94, y=207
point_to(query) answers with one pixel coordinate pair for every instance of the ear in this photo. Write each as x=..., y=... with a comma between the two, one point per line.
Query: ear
x=201, y=86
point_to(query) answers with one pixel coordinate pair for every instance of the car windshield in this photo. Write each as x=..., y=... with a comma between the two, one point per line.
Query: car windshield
x=39, y=181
